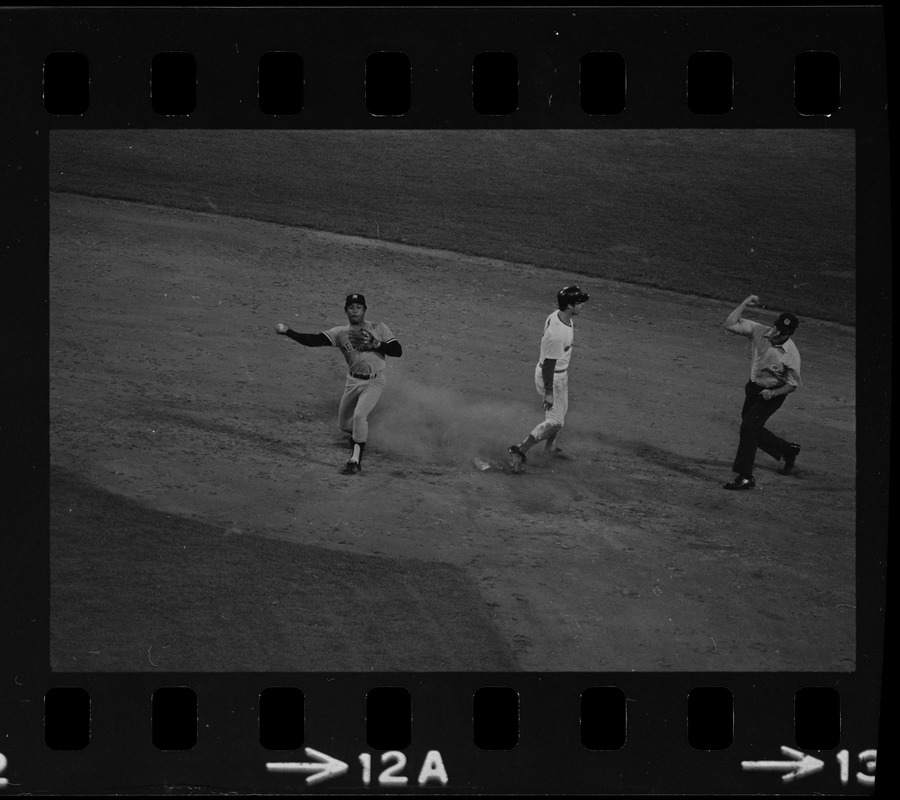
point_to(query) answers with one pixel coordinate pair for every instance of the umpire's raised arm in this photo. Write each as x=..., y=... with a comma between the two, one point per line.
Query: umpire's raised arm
x=733, y=320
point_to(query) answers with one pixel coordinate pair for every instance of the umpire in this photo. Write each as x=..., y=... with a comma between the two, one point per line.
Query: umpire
x=774, y=374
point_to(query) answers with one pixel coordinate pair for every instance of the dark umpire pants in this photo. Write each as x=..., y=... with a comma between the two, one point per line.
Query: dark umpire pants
x=754, y=433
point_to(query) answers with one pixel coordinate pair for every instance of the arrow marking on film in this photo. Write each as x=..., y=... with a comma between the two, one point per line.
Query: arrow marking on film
x=800, y=765
x=323, y=768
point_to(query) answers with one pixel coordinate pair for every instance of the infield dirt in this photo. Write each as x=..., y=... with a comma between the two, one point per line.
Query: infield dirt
x=170, y=388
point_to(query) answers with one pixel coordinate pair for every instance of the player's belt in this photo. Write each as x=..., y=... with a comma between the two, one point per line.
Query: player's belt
x=363, y=377
x=566, y=369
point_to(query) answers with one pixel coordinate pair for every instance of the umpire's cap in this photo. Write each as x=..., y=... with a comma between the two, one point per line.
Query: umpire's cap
x=355, y=298
x=787, y=323
x=570, y=296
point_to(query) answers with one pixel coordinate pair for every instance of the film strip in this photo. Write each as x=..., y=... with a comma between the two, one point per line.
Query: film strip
x=195, y=601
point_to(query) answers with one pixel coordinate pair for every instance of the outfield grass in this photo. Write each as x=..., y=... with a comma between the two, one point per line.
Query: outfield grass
x=135, y=589
x=712, y=213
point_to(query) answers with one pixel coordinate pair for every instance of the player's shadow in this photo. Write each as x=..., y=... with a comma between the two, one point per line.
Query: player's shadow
x=693, y=466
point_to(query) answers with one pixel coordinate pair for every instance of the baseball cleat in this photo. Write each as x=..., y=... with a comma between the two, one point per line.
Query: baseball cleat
x=351, y=468
x=740, y=482
x=515, y=451
x=793, y=450
x=518, y=458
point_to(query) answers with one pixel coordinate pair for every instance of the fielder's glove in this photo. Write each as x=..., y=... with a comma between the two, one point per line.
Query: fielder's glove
x=362, y=339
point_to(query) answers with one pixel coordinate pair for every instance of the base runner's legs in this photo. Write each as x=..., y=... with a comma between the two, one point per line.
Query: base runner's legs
x=554, y=417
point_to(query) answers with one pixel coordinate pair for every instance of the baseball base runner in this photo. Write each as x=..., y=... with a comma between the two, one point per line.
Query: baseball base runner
x=551, y=375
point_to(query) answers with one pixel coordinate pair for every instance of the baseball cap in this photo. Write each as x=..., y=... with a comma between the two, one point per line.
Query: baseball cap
x=787, y=323
x=355, y=298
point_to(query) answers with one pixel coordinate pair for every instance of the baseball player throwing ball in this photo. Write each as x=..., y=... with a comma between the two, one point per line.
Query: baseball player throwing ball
x=364, y=346
x=551, y=375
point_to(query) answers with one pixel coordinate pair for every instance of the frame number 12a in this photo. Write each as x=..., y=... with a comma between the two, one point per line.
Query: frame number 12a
x=393, y=762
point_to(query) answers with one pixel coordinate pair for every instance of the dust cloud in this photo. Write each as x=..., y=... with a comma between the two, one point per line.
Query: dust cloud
x=434, y=423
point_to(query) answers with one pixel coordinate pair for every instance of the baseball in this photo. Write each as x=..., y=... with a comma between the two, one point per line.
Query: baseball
x=281, y=327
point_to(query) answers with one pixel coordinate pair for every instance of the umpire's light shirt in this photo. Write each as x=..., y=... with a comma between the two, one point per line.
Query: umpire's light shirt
x=772, y=365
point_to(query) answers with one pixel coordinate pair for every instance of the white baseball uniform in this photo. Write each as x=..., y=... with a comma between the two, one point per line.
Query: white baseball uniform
x=557, y=342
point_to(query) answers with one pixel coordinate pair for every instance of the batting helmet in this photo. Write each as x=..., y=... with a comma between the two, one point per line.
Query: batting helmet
x=354, y=299
x=570, y=296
